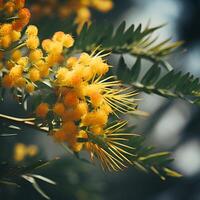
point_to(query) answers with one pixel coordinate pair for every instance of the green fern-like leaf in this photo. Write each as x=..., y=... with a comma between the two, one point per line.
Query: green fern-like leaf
x=133, y=40
x=172, y=84
x=149, y=161
x=11, y=174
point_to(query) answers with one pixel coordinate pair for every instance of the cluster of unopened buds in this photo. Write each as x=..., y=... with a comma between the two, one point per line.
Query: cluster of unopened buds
x=85, y=100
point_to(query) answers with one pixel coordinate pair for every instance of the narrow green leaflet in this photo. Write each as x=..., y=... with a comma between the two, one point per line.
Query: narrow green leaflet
x=136, y=41
x=10, y=175
x=172, y=84
x=147, y=160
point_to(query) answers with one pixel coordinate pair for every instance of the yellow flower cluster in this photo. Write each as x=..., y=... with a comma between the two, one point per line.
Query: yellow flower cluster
x=85, y=96
x=11, y=31
x=21, y=151
x=80, y=7
x=24, y=70
x=75, y=86
x=84, y=99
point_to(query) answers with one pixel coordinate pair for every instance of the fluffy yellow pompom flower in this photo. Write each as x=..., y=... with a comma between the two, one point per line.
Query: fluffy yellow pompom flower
x=103, y=5
x=69, y=127
x=71, y=62
x=20, y=152
x=46, y=45
x=82, y=108
x=83, y=15
x=42, y=110
x=59, y=109
x=43, y=68
x=35, y=55
x=31, y=30
x=56, y=47
x=5, y=29
x=30, y=87
x=59, y=36
x=71, y=99
x=15, y=35
x=16, y=72
x=6, y=41
x=34, y=74
x=16, y=55
x=61, y=76
x=9, y=7
x=19, y=3
x=68, y=41
x=97, y=130
x=23, y=61
x=95, y=96
x=32, y=42
x=95, y=118
x=84, y=59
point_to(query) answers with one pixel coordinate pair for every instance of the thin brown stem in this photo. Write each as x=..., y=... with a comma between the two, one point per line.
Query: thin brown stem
x=27, y=122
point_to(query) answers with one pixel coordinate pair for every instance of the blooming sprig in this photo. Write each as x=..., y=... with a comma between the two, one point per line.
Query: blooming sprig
x=69, y=93
x=85, y=97
x=83, y=100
